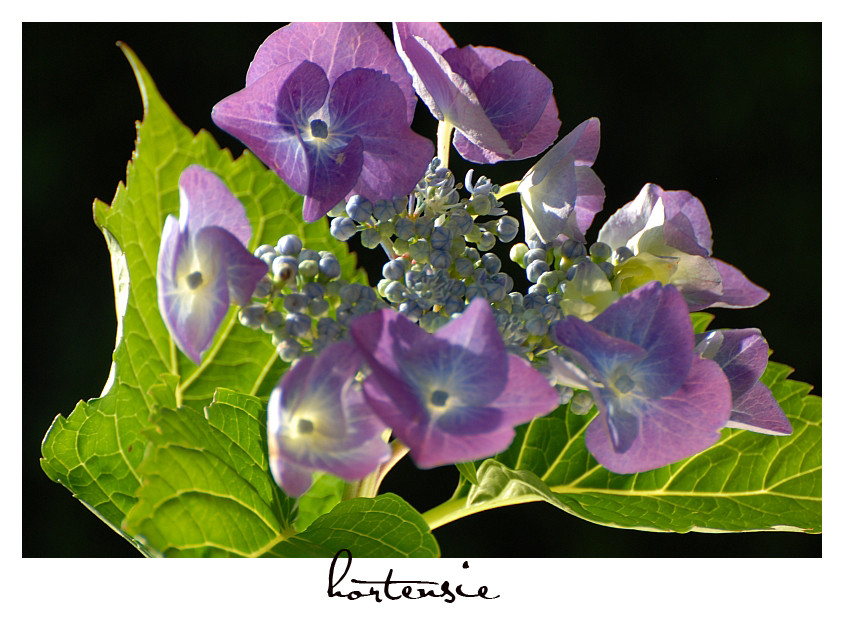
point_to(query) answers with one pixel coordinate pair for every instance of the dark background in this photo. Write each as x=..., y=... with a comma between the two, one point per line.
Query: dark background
x=729, y=112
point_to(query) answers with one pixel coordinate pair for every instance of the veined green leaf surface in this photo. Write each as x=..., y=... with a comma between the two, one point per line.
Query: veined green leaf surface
x=384, y=526
x=745, y=482
x=96, y=451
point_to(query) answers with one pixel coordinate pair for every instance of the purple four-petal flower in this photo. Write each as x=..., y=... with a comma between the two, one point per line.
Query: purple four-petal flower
x=327, y=106
x=451, y=396
x=561, y=194
x=743, y=356
x=659, y=401
x=318, y=420
x=670, y=229
x=203, y=263
x=500, y=104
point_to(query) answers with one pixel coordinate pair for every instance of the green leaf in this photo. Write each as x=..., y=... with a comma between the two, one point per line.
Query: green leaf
x=206, y=487
x=498, y=484
x=384, y=526
x=468, y=471
x=96, y=451
x=321, y=497
x=745, y=482
x=700, y=321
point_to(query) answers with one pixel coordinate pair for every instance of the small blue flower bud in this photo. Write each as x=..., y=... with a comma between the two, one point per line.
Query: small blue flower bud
x=439, y=259
x=535, y=325
x=572, y=249
x=272, y=321
x=289, y=245
x=405, y=228
x=607, y=268
x=495, y=292
x=350, y=293
x=309, y=268
x=463, y=266
x=263, y=288
x=266, y=248
x=475, y=290
x=308, y=254
x=460, y=222
x=424, y=227
x=581, y=403
x=328, y=328
x=384, y=210
x=317, y=307
x=394, y=269
x=600, y=251
x=453, y=305
x=507, y=228
x=313, y=290
x=535, y=269
x=329, y=266
x=359, y=208
x=441, y=238
x=285, y=268
x=622, y=254
x=535, y=254
x=487, y=241
x=297, y=324
x=370, y=238
x=268, y=257
x=411, y=310
x=395, y=292
x=288, y=350
x=491, y=263
x=342, y=228
x=252, y=315
x=295, y=302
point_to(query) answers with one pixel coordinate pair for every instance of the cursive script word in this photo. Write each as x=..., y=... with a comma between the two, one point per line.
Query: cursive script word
x=394, y=590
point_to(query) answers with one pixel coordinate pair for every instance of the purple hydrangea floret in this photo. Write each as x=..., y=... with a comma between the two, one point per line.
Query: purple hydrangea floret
x=500, y=104
x=318, y=421
x=451, y=396
x=327, y=106
x=203, y=263
x=743, y=356
x=659, y=401
x=671, y=228
x=561, y=194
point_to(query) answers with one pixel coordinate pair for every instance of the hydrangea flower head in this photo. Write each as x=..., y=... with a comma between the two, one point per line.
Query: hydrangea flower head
x=203, y=263
x=743, y=356
x=318, y=420
x=670, y=235
x=659, y=401
x=561, y=194
x=327, y=106
x=501, y=105
x=451, y=396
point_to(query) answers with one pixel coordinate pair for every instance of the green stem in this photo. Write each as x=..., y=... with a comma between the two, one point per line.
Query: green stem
x=508, y=189
x=444, y=130
x=457, y=508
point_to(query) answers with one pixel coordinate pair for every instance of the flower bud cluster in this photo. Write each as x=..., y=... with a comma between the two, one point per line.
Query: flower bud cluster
x=295, y=300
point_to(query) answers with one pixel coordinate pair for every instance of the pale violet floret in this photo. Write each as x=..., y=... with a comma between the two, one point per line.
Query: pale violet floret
x=327, y=106
x=318, y=421
x=203, y=263
x=743, y=355
x=666, y=236
x=453, y=395
x=560, y=194
x=501, y=105
x=658, y=400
